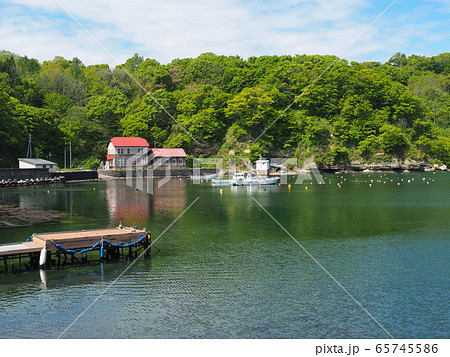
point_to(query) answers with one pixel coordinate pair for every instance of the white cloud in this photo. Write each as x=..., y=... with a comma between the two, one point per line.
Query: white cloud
x=168, y=29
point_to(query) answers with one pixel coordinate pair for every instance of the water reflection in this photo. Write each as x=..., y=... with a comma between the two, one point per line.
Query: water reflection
x=250, y=190
x=170, y=197
x=78, y=275
x=43, y=277
x=132, y=206
x=126, y=204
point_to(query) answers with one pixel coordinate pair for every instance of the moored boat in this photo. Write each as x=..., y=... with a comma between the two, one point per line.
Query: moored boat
x=241, y=179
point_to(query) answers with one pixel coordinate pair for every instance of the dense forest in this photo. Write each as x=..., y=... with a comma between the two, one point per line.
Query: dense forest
x=354, y=111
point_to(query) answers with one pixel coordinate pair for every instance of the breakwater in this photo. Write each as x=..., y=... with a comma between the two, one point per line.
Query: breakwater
x=30, y=177
x=32, y=181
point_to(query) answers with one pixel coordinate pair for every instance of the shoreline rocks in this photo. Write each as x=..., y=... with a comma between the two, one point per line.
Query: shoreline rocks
x=32, y=181
x=384, y=167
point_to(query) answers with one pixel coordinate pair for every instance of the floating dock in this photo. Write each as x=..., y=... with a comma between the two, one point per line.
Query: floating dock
x=60, y=248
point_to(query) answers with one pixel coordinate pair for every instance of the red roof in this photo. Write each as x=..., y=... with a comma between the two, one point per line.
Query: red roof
x=118, y=142
x=109, y=157
x=178, y=152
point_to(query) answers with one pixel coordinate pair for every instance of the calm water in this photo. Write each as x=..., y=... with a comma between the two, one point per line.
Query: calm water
x=226, y=270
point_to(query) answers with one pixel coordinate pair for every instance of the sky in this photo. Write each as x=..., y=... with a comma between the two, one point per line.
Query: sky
x=111, y=31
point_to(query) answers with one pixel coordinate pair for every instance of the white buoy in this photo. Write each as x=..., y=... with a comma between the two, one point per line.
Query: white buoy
x=43, y=277
x=43, y=256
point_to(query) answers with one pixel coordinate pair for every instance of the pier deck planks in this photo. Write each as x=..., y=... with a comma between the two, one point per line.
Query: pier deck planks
x=72, y=240
x=19, y=248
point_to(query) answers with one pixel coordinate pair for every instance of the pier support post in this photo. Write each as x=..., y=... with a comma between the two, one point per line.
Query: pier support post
x=148, y=244
x=48, y=262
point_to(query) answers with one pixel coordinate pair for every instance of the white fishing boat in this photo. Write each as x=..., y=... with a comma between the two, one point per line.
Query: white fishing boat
x=220, y=181
x=241, y=179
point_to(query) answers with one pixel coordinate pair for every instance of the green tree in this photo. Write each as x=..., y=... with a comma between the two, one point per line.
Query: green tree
x=148, y=119
x=369, y=146
x=339, y=155
x=12, y=136
x=41, y=124
x=133, y=63
x=393, y=140
x=253, y=110
x=107, y=110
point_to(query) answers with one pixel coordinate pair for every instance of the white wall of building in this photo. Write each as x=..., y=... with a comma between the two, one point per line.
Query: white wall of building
x=26, y=165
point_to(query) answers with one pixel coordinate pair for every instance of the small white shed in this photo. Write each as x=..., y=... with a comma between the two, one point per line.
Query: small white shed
x=37, y=164
x=262, y=167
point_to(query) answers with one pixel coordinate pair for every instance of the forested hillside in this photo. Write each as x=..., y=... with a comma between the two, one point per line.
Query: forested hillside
x=355, y=111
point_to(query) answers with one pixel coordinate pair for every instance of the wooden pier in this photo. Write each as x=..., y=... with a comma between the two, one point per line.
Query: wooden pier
x=56, y=249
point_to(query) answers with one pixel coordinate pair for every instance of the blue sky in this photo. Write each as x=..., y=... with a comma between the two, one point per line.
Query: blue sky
x=169, y=29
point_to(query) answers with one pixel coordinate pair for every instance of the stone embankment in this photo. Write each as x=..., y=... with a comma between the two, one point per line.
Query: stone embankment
x=31, y=182
x=394, y=166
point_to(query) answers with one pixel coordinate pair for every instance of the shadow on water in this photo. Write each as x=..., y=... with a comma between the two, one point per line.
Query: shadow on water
x=70, y=276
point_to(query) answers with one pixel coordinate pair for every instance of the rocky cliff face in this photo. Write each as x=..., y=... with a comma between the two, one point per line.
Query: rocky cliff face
x=394, y=166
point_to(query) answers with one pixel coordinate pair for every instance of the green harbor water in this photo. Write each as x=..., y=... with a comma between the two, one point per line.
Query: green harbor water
x=227, y=269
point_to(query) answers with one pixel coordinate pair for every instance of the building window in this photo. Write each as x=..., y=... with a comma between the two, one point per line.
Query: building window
x=128, y=151
x=159, y=161
x=174, y=160
x=180, y=161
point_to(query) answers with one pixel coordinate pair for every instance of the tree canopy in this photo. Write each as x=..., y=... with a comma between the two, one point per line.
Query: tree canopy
x=273, y=106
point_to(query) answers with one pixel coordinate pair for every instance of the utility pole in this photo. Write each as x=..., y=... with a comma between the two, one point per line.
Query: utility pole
x=29, y=151
x=70, y=154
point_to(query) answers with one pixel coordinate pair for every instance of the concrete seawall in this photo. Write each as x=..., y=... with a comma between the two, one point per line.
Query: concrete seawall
x=29, y=177
x=22, y=174
x=115, y=174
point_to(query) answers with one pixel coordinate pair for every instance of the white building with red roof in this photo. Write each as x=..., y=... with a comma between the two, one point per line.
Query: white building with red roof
x=175, y=158
x=124, y=151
